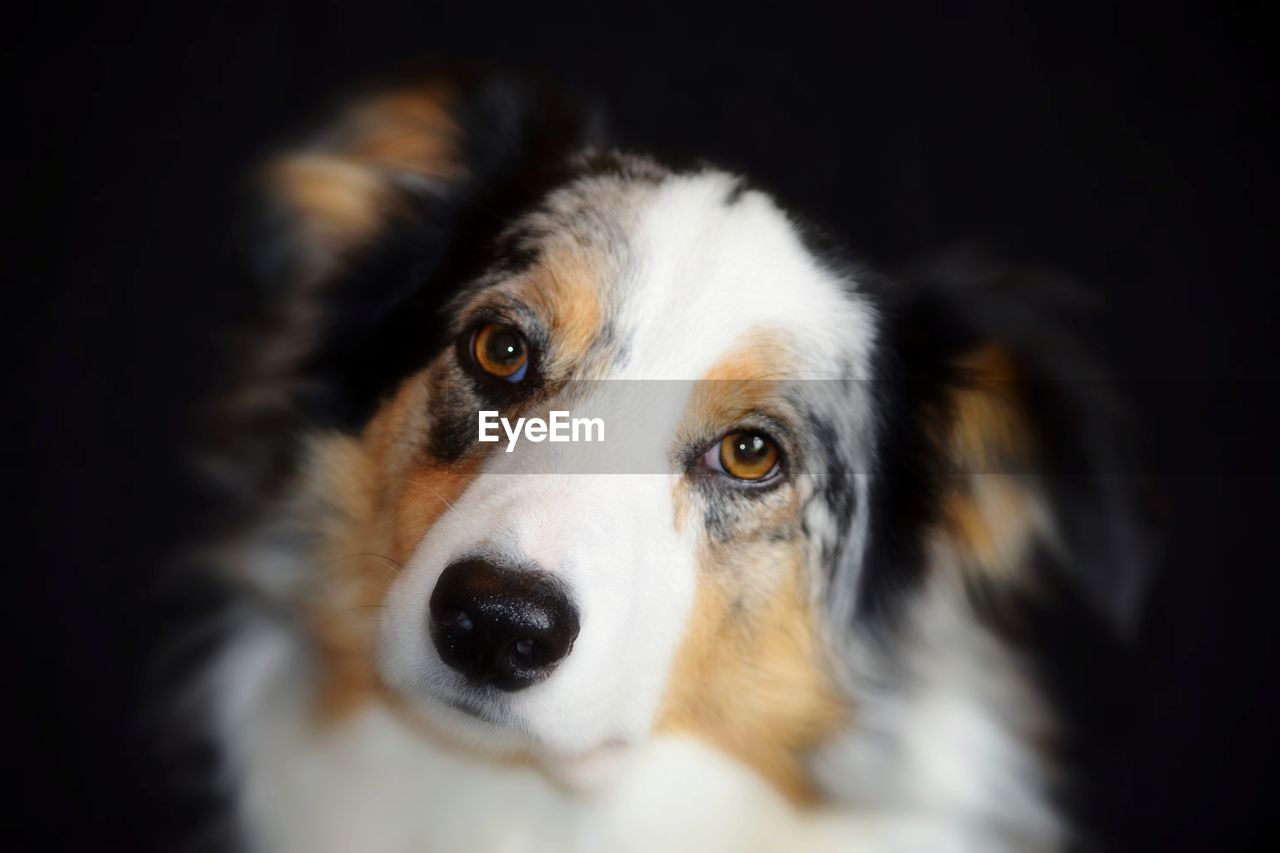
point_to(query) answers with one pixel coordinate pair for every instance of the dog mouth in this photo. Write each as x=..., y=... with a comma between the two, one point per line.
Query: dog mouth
x=483, y=720
x=477, y=708
x=587, y=770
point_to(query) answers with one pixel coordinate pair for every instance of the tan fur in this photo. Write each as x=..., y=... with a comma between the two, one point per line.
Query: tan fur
x=409, y=130
x=741, y=382
x=340, y=606
x=994, y=509
x=342, y=189
x=386, y=495
x=750, y=675
x=761, y=354
x=988, y=428
x=564, y=290
x=337, y=204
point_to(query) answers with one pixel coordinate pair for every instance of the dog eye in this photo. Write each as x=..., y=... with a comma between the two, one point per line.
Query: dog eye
x=748, y=456
x=501, y=351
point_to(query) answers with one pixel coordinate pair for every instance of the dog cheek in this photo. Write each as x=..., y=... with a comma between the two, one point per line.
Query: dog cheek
x=382, y=493
x=750, y=677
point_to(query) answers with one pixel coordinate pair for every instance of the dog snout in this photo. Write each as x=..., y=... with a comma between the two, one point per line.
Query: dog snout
x=507, y=627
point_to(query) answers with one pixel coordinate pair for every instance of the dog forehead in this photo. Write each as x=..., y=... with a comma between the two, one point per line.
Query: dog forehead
x=711, y=268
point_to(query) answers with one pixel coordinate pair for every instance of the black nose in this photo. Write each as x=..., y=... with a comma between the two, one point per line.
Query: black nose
x=499, y=626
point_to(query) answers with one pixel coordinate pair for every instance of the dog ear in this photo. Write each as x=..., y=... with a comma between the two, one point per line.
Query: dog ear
x=1029, y=456
x=416, y=151
x=364, y=228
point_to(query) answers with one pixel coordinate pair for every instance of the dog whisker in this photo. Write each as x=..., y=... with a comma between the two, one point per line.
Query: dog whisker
x=430, y=489
x=385, y=562
x=362, y=607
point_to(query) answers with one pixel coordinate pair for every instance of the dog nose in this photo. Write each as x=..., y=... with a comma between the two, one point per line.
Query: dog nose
x=501, y=626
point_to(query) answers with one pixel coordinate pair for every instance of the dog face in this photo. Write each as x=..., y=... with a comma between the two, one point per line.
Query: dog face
x=693, y=566
x=793, y=449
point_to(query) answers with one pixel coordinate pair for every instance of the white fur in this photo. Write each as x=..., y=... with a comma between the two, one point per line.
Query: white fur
x=708, y=274
x=944, y=723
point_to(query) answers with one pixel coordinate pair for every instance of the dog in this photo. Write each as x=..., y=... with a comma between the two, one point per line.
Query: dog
x=792, y=600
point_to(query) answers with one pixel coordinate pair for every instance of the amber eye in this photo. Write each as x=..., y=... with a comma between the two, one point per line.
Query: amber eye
x=746, y=456
x=501, y=351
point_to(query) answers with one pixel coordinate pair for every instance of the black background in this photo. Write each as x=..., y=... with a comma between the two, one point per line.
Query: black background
x=1130, y=149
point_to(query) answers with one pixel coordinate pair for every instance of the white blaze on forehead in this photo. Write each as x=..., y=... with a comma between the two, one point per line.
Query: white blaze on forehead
x=703, y=272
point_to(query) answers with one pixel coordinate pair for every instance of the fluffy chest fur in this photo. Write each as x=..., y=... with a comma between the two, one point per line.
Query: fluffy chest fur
x=372, y=782
x=926, y=774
